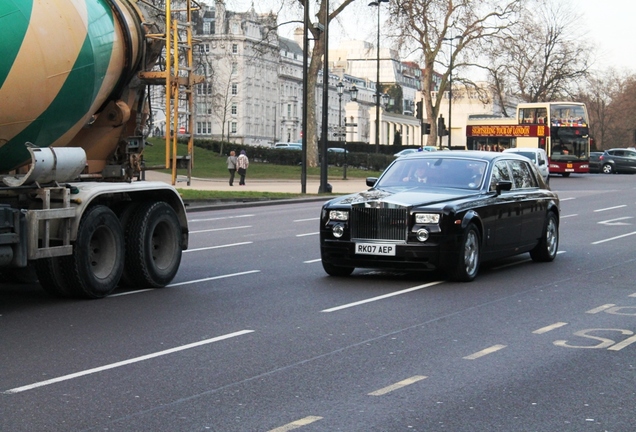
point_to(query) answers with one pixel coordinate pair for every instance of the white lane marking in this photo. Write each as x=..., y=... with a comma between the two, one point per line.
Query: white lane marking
x=221, y=229
x=610, y=208
x=131, y=292
x=307, y=220
x=296, y=424
x=632, y=295
x=419, y=287
x=214, y=278
x=220, y=218
x=614, y=222
x=125, y=362
x=549, y=328
x=568, y=216
x=600, y=308
x=217, y=247
x=308, y=234
x=398, y=385
x=312, y=261
x=484, y=352
x=567, y=199
x=614, y=238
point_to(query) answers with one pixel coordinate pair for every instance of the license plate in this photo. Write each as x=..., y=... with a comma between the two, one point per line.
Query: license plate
x=569, y=170
x=375, y=249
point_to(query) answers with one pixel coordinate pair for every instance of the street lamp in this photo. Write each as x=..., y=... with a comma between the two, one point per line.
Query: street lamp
x=324, y=185
x=377, y=80
x=353, y=92
x=450, y=90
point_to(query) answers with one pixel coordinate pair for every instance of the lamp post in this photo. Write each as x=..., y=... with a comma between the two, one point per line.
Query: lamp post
x=354, y=97
x=377, y=79
x=450, y=90
x=341, y=133
x=324, y=186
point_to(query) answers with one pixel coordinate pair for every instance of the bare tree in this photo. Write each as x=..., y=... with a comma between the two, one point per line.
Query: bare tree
x=315, y=66
x=427, y=27
x=540, y=58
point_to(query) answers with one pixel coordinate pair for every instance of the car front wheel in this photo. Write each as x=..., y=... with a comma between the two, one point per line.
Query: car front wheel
x=607, y=169
x=466, y=266
x=546, y=249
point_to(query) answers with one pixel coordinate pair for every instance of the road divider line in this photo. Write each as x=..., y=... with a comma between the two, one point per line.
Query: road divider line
x=398, y=385
x=313, y=261
x=214, y=278
x=610, y=208
x=220, y=218
x=220, y=229
x=549, y=328
x=307, y=220
x=484, y=352
x=296, y=424
x=614, y=238
x=308, y=234
x=600, y=308
x=125, y=362
x=568, y=216
x=382, y=297
x=217, y=247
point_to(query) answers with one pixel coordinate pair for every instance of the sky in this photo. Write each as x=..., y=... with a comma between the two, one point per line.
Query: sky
x=609, y=24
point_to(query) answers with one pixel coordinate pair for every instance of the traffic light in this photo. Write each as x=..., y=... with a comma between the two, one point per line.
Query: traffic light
x=419, y=110
x=426, y=127
x=441, y=127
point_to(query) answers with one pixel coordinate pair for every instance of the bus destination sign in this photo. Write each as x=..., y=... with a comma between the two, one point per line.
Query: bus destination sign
x=507, y=131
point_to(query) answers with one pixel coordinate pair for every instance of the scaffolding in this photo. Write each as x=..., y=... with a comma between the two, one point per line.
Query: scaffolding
x=179, y=79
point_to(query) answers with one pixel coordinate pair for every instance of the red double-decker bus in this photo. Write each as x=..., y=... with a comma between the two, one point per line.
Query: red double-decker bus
x=560, y=128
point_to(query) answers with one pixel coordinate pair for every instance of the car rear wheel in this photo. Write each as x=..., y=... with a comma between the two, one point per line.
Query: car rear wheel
x=333, y=270
x=607, y=169
x=548, y=246
x=467, y=265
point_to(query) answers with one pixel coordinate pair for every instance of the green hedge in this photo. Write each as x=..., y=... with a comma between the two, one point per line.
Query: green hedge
x=360, y=155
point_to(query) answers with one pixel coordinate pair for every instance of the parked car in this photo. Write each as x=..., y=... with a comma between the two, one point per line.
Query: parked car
x=537, y=156
x=288, y=146
x=595, y=162
x=337, y=150
x=442, y=210
x=618, y=160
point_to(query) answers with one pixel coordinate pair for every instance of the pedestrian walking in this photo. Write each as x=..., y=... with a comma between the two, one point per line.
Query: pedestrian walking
x=242, y=162
x=231, y=166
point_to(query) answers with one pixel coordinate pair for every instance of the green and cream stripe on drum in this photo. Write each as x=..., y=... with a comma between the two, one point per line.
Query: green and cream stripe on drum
x=56, y=66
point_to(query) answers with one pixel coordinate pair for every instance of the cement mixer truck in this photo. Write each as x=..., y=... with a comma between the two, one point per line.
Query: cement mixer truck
x=73, y=108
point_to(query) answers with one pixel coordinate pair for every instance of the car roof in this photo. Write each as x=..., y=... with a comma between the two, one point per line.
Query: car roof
x=463, y=154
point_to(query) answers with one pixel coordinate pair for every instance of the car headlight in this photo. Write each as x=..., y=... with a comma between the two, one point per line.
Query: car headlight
x=426, y=218
x=338, y=215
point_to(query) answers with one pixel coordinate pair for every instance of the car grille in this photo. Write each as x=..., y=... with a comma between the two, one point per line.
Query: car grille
x=379, y=223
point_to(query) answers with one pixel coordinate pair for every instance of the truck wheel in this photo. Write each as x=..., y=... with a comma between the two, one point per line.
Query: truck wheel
x=94, y=269
x=153, y=245
x=52, y=280
x=466, y=266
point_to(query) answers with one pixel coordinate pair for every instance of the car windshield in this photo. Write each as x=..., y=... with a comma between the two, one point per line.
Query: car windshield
x=424, y=173
x=530, y=155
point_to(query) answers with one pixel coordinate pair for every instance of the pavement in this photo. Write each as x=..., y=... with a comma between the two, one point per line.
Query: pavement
x=339, y=186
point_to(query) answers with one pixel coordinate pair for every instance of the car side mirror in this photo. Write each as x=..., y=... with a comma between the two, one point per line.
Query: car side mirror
x=503, y=186
x=371, y=181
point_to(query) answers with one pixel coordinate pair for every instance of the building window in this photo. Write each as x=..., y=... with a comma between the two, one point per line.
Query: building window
x=234, y=68
x=234, y=89
x=234, y=109
x=234, y=48
x=233, y=127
